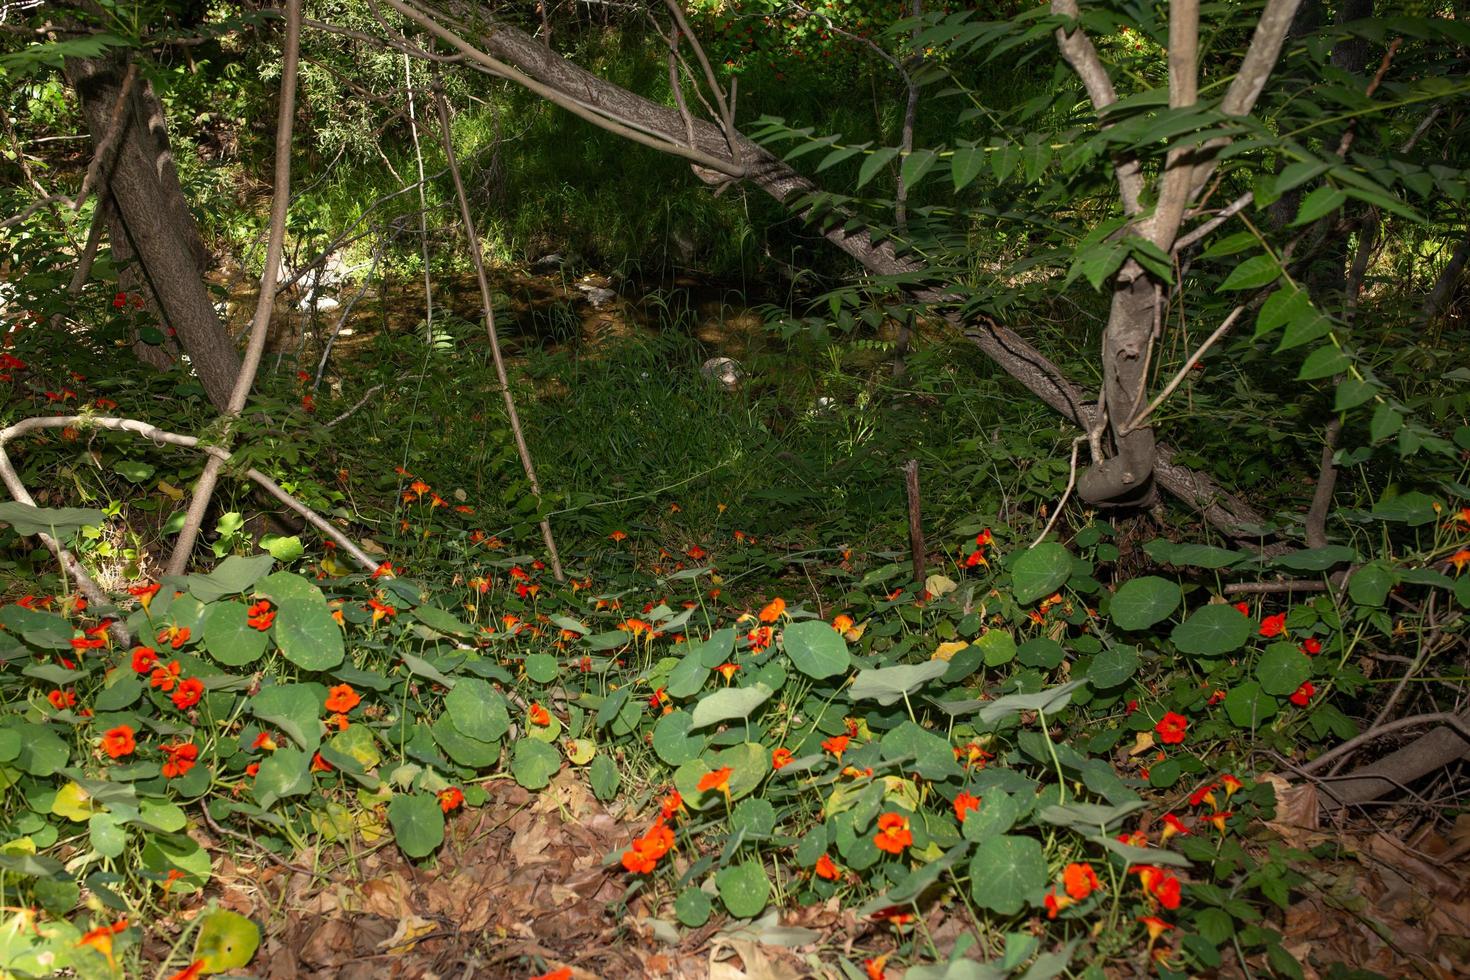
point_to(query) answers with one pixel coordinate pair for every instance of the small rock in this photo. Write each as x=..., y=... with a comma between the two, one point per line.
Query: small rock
x=723, y=371
x=596, y=295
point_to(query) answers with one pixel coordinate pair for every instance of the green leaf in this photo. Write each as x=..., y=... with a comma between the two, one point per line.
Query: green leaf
x=671, y=739
x=541, y=668
x=1369, y=585
x=604, y=776
x=1197, y=555
x=1004, y=871
x=1282, y=307
x=1351, y=393
x=305, y=631
x=753, y=817
x=1040, y=571
x=1323, y=362
x=915, y=166
x=688, y=677
x=727, y=703
x=1282, y=669
x=875, y=162
x=965, y=165
x=931, y=756
x=1212, y=631
x=418, y=823
x=998, y=812
x=1004, y=156
x=1412, y=508
x=1321, y=202
x=107, y=834
x=227, y=941
x=230, y=577
x=816, y=649
x=28, y=520
x=1297, y=173
x=1249, y=706
x=887, y=684
x=283, y=547
x=1304, y=328
x=477, y=709
x=743, y=888
x=285, y=772
x=1386, y=421
x=1112, y=667
x=1142, y=602
x=437, y=619
x=463, y=749
x=1253, y=273
x=294, y=709
x=692, y=907
x=534, y=763
x=228, y=636
x=132, y=470
x=997, y=647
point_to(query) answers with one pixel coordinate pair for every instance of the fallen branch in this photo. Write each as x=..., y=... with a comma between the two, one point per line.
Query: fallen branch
x=1454, y=721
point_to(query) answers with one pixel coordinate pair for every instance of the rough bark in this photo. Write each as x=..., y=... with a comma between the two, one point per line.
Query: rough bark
x=1008, y=349
x=1436, y=748
x=152, y=217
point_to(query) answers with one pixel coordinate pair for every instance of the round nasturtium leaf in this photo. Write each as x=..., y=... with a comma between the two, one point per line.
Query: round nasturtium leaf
x=1112, y=667
x=580, y=750
x=998, y=647
x=1212, y=631
x=229, y=637
x=1040, y=571
x=541, y=668
x=1004, y=871
x=816, y=649
x=1282, y=669
x=417, y=822
x=1142, y=602
x=743, y=888
x=534, y=763
x=672, y=741
x=477, y=709
x=692, y=907
x=227, y=941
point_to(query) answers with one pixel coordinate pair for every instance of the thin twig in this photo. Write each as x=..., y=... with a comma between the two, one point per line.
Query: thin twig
x=1067, y=493
x=1178, y=379
x=360, y=402
x=260, y=326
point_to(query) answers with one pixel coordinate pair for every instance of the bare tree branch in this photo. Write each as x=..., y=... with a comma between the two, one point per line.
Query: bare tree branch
x=1078, y=50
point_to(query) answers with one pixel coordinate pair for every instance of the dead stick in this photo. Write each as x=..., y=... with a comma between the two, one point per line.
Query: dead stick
x=479, y=261
x=916, y=525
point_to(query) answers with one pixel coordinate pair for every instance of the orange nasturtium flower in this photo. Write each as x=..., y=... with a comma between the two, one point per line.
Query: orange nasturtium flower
x=1055, y=903
x=539, y=715
x=893, y=833
x=1459, y=559
x=193, y=971
x=144, y=659
x=451, y=799
x=61, y=699
x=646, y=851
x=964, y=803
x=342, y=698
x=827, y=868
x=562, y=973
x=188, y=693
x=773, y=610
x=118, y=742
x=1156, y=927
x=318, y=764
x=1172, y=825
x=618, y=536
x=1231, y=785
x=144, y=593
x=837, y=745
x=381, y=610
x=180, y=758
x=672, y=805
x=719, y=779
x=1080, y=880
x=100, y=939
x=842, y=623
x=164, y=678
x=260, y=616
x=174, y=636
x=264, y=741
x=727, y=671
x=780, y=757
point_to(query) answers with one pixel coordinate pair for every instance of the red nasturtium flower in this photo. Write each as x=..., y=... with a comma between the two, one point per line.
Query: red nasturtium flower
x=874, y=967
x=451, y=799
x=697, y=553
x=773, y=610
x=174, y=636
x=179, y=758
x=893, y=833
x=1244, y=608
x=118, y=742
x=261, y=615
x=1156, y=927
x=1219, y=818
x=1171, y=728
x=61, y=699
x=1302, y=696
x=1205, y=794
x=1311, y=646
x=164, y=678
x=381, y=610
x=144, y=593
x=318, y=764
x=539, y=715
x=193, y=971
x=264, y=741
x=837, y=745
x=144, y=659
x=618, y=536
x=964, y=803
x=826, y=868
x=727, y=671
x=342, y=698
x=672, y=805
x=759, y=638
x=1231, y=784
x=189, y=692
x=1160, y=886
x=562, y=973
x=1080, y=880
x=252, y=770
x=780, y=757
x=1273, y=625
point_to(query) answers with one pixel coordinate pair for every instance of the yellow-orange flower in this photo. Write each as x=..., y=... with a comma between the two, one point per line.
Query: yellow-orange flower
x=780, y=757
x=718, y=779
x=539, y=715
x=837, y=745
x=342, y=698
x=100, y=939
x=1080, y=880
x=773, y=610
x=827, y=868
x=118, y=742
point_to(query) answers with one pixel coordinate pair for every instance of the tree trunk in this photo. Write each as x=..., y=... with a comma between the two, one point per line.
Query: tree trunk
x=151, y=219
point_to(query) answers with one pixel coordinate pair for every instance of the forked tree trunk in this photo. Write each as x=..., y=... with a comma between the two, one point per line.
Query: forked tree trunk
x=151, y=219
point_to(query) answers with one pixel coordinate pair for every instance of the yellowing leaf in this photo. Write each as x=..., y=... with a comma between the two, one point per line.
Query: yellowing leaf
x=74, y=803
x=404, y=937
x=1142, y=742
x=580, y=751
x=227, y=941
x=947, y=650
x=854, y=634
x=170, y=491
x=938, y=585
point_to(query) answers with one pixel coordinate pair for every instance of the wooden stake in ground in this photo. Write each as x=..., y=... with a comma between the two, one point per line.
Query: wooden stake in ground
x=916, y=525
x=479, y=261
